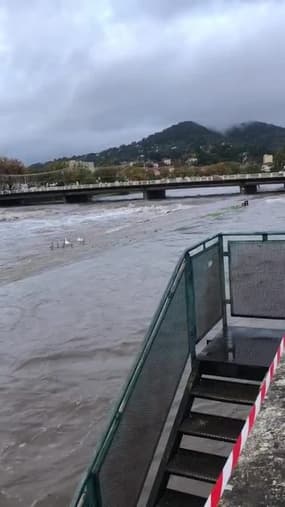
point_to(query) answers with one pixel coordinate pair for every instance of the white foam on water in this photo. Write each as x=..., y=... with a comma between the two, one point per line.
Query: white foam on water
x=115, y=229
x=38, y=220
x=274, y=199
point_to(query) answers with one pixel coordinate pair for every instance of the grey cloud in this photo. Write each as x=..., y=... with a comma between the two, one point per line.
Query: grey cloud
x=159, y=9
x=76, y=79
x=163, y=9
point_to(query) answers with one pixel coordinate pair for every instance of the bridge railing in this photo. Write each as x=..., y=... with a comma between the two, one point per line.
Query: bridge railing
x=145, y=183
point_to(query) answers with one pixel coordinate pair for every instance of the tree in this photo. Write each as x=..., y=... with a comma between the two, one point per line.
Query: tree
x=279, y=161
x=11, y=166
x=9, y=170
x=106, y=174
x=135, y=173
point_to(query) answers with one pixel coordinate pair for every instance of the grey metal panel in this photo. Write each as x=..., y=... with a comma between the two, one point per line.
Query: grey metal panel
x=206, y=269
x=257, y=278
x=123, y=471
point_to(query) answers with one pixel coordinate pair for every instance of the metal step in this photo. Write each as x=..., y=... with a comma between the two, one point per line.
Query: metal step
x=231, y=392
x=211, y=426
x=196, y=465
x=233, y=370
x=171, y=498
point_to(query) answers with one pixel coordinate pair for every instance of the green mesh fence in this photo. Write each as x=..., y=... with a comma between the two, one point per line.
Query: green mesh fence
x=123, y=471
x=257, y=273
x=207, y=284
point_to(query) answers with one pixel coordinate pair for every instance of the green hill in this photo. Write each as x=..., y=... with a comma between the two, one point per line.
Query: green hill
x=174, y=142
x=264, y=136
x=180, y=141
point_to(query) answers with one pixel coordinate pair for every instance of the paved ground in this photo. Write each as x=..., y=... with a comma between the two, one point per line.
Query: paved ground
x=259, y=479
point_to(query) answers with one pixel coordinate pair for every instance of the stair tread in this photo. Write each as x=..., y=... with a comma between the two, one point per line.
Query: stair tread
x=196, y=465
x=172, y=498
x=234, y=370
x=220, y=390
x=211, y=426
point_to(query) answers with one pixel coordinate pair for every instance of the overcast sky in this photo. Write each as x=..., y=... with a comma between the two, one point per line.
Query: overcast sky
x=77, y=76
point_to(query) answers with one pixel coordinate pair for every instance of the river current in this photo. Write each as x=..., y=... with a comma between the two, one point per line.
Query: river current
x=73, y=319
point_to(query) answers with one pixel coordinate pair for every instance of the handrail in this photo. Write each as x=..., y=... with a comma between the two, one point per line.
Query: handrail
x=106, y=440
x=255, y=233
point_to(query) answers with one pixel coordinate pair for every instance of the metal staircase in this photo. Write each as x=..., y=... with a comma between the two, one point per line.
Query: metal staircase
x=228, y=383
x=216, y=282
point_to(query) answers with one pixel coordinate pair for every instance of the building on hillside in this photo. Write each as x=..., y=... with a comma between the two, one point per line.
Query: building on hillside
x=267, y=159
x=153, y=165
x=166, y=161
x=192, y=160
x=75, y=164
x=267, y=162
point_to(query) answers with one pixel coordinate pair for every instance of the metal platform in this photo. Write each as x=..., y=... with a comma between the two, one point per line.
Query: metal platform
x=248, y=346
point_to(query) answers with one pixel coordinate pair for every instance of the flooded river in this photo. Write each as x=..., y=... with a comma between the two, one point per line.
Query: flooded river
x=73, y=319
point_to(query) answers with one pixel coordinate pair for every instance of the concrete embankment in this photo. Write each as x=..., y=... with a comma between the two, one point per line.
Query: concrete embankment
x=259, y=479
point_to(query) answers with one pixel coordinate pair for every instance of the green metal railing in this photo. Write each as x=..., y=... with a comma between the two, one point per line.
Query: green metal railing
x=197, y=297
x=168, y=344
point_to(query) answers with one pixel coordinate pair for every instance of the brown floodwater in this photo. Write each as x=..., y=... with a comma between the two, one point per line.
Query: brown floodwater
x=73, y=319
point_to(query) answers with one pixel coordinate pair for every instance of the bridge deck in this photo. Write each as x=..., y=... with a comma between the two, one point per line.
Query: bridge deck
x=151, y=188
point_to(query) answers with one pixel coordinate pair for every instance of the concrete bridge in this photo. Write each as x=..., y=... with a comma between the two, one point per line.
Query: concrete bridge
x=151, y=189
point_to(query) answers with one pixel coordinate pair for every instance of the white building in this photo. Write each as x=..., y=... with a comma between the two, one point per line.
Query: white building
x=77, y=164
x=267, y=162
x=267, y=159
x=192, y=160
x=166, y=161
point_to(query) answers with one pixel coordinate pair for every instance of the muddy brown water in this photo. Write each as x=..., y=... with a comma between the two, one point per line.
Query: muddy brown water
x=73, y=319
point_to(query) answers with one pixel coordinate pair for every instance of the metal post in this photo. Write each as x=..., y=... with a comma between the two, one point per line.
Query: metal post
x=226, y=334
x=190, y=306
x=93, y=491
x=223, y=284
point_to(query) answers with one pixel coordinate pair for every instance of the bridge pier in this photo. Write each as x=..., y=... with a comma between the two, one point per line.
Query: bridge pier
x=75, y=198
x=154, y=194
x=248, y=189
